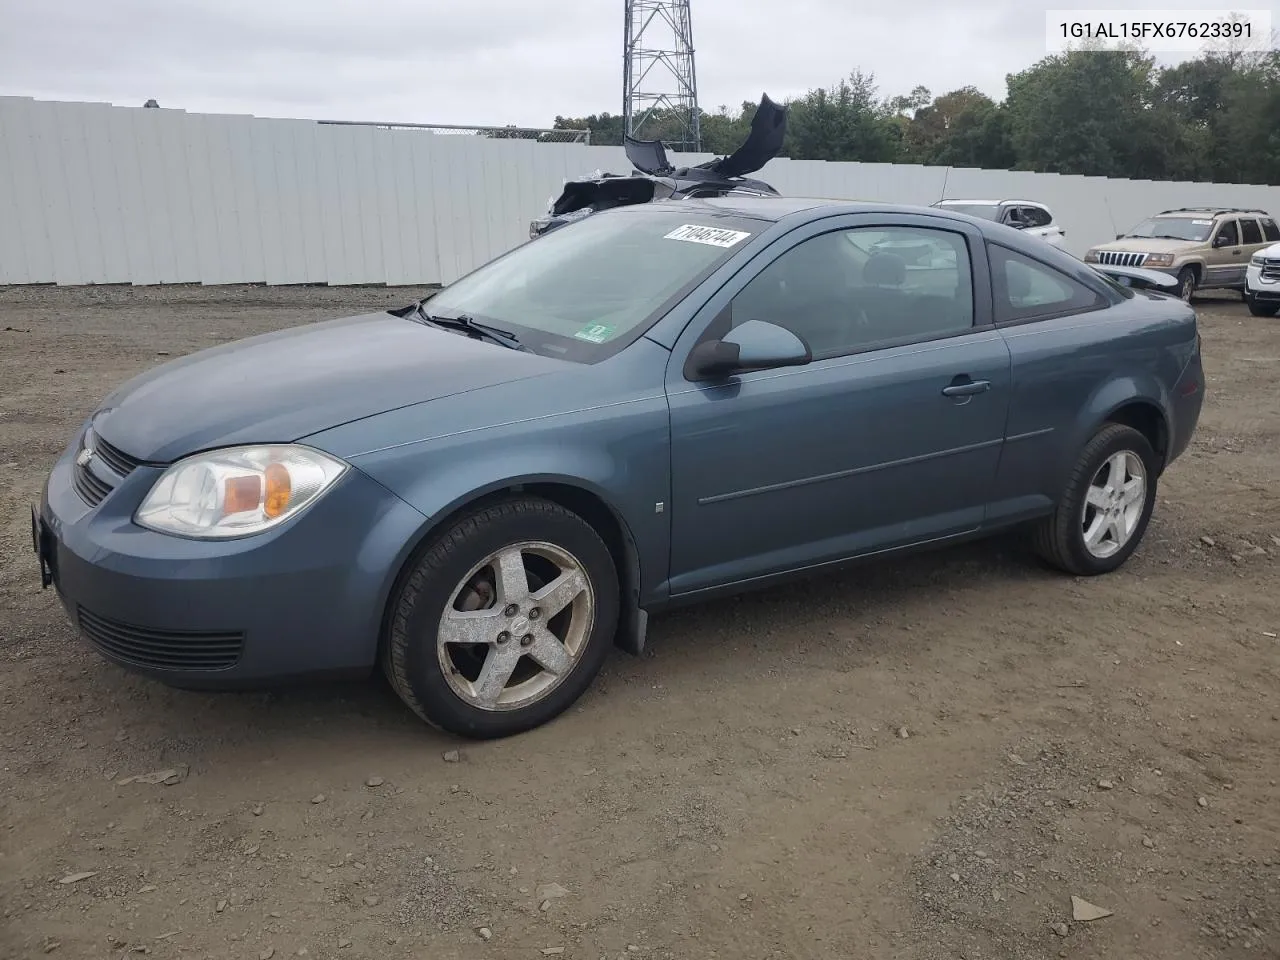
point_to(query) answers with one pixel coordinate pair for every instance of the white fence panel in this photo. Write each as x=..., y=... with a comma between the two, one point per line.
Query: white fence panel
x=91, y=193
x=24, y=234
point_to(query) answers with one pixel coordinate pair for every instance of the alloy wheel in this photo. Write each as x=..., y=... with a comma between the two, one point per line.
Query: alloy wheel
x=1114, y=504
x=516, y=626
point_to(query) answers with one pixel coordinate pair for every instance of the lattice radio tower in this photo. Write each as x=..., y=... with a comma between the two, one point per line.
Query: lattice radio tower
x=657, y=72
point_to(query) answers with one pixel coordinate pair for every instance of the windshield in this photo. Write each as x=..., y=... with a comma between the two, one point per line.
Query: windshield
x=586, y=290
x=987, y=211
x=1173, y=228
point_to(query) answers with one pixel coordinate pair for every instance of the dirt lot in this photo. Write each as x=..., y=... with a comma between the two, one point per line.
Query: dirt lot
x=745, y=791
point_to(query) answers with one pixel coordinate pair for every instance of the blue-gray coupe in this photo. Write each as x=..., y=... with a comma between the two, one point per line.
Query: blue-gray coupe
x=485, y=491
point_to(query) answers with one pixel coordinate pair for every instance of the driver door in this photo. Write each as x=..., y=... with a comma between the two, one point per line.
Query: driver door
x=1226, y=261
x=890, y=436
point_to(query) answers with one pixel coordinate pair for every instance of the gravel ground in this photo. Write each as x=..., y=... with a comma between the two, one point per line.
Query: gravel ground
x=922, y=759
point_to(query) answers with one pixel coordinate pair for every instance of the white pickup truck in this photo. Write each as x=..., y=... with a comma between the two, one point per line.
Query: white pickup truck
x=1262, y=282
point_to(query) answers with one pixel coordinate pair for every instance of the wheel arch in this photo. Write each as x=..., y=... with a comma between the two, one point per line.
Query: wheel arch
x=574, y=495
x=1137, y=402
x=1147, y=417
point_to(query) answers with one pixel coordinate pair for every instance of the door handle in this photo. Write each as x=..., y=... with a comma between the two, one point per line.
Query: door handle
x=1235, y=253
x=966, y=389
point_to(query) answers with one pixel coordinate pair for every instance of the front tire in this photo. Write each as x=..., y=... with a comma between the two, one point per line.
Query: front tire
x=1261, y=309
x=504, y=620
x=1106, y=507
x=1187, y=283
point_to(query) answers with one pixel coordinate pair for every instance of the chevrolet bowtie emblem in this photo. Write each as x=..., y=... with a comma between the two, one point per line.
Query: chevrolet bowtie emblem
x=84, y=456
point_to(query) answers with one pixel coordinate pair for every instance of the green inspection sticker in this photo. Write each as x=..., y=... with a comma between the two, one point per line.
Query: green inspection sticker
x=595, y=333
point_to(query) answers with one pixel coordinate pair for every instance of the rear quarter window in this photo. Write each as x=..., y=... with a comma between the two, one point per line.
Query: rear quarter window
x=1025, y=289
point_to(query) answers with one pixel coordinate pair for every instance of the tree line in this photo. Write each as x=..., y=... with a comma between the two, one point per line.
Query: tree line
x=1088, y=112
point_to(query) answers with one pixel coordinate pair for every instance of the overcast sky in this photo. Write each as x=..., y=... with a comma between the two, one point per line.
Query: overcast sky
x=495, y=61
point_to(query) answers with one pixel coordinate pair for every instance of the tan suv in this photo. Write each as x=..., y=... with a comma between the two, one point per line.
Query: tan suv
x=1206, y=248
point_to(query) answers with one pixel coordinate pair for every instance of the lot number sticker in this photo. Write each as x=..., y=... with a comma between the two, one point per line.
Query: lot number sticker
x=1203, y=223
x=713, y=236
x=595, y=333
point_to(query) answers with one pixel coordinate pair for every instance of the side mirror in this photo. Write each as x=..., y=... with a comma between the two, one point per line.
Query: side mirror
x=1222, y=240
x=756, y=345
x=1119, y=236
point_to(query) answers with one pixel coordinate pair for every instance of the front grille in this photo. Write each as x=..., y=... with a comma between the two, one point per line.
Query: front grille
x=160, y=649
x=1271, y=268
x=114, y=457
x=91, y=485
x=92, y=488
x=1114, y=258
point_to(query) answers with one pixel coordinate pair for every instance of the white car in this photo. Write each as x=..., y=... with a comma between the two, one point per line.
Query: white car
x=1262, y=282
x=1026, y=215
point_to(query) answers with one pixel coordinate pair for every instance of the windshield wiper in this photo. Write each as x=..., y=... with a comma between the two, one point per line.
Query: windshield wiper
x=470, y=325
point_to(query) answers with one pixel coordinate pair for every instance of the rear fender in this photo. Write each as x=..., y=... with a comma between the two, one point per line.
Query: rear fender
x=1103, y=405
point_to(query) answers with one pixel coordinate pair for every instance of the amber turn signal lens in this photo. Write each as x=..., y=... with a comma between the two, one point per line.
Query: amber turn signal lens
x=242, y=493
x=279, y=489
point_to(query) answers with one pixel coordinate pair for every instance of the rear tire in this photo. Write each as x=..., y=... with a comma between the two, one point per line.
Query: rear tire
x=1106, y=506
x=504, y=619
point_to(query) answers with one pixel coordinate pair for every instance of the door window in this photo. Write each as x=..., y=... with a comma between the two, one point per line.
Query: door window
x=1036, y=217
x=1250, y=231
x=852, y=290
x=1228, y=234
x=1270, y=232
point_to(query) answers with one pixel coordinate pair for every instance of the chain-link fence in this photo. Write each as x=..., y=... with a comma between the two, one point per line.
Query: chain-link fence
x=540, y=134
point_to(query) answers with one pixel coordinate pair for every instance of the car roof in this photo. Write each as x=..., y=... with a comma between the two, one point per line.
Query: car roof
x=807, y=209
x=994, y=203
x=757, y=208
x=1212, y=212
x=777, y=208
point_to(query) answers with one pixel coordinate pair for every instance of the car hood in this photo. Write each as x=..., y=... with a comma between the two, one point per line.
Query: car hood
x=283, y=386
x=764, y=140
x=1137, y=277
x=768, y=131
x=1148, y=245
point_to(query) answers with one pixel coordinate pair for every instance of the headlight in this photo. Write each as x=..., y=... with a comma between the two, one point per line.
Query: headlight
x=1257, y=259
x=1091, y=256
x=1159, y=260
x=237, y=491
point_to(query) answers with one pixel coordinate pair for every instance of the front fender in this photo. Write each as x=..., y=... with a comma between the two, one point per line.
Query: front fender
x=617, y=454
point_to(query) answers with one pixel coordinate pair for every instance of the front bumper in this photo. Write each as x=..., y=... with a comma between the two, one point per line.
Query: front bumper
x=1260, y=289
x=303, y=600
